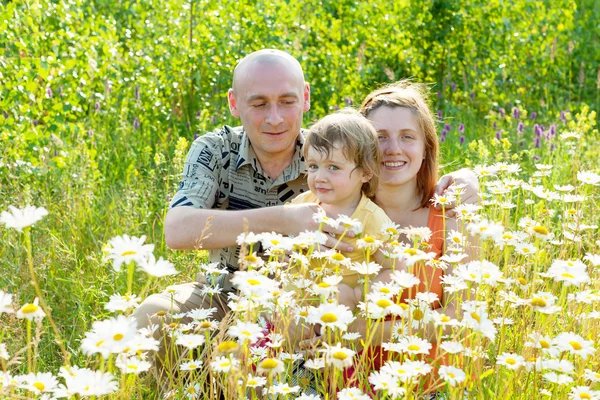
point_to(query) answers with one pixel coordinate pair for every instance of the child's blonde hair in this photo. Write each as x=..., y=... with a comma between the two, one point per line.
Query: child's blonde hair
x=355, y=136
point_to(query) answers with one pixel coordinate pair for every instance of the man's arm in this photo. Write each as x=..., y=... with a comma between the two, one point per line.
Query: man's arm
x=193, y=228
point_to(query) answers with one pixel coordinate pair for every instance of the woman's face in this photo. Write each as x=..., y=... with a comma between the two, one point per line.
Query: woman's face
x=401, y=142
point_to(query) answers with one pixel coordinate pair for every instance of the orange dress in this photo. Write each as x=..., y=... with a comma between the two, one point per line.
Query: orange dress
x=430, y=282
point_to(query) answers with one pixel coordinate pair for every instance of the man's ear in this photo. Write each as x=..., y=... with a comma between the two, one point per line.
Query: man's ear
x=306, y=97
x=232, y=104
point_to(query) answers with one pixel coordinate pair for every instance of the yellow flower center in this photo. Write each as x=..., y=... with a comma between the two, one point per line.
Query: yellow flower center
x=251, y=258
x=29, y=308
x=385, y=290
x=338, y=257
x=132, y=367
x=576, y=345
x=324, y=285
x=418, y=315
x=540, y=230
x=383, y=303
x=99, y=343
x=544, y=344
x=128, y=253
x=253, y=282
x=456, y=239
x=567, y=275
x=224, y=364
x=39, y=386
x=538, y=302
x=475, y=316
x=584, y=396
x=274, y=242
x=404, y=306
x=572, y=211
x=445, y=318
x=192, y=366
x=227, y=345
x=329, y=318
x=414, y=347
x=252, y=382
x=303, y=313
x=511, y=361
x=451, y=375
x=411, y=252
x=246, y=333
x=369, y=239
x=391, y=231
x=205, y=325
x=118, y=337
x=525, y=250
x=340, y=355
x=442, y=200
x=522, y=281
x=269, y=363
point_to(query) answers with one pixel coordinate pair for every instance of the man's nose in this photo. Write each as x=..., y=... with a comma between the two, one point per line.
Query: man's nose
x=274, y=117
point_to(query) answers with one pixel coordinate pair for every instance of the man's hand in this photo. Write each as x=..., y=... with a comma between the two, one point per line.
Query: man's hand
x=299, y=218
x=461, y=177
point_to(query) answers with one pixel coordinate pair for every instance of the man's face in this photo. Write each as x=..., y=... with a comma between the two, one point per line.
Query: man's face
x=270, y=101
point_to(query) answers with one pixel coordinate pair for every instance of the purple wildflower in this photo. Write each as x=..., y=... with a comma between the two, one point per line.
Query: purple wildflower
x=552, y=130
x=520, y=127
x=533, y=115
x=348, y=101
x=137, y=93
x=502, y=112
x=336, y=107
x=439, y=114
x=515, y=113
x=196, y=135
x=453, y=86
x=536, y=158
x=537, y=142
x=462, y=139
x=198, y=113
x=499, y=134
x=563, y=117
x=49, y=92
x=90, y=132
x=461, y=128
x=552, y=147
x=538, y=130
x=447, y=127
x=97, y=106
x=5, y=114
x=495, y=125
x=35, y=122
x=136, y=123
x=472, y=94
x=442, y=139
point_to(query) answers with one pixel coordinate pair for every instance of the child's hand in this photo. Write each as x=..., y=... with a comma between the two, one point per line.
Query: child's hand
x=348, y=296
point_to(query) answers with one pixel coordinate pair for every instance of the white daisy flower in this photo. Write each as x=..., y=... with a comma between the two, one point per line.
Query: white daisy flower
x=22, y=218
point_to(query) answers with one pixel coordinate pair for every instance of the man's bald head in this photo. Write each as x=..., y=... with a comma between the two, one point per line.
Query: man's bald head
x=266, y=57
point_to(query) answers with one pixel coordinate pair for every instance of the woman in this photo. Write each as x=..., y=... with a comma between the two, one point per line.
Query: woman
x=409, y=151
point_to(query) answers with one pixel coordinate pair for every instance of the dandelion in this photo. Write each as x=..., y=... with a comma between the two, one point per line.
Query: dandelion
x=22, y=218
x=31, y=311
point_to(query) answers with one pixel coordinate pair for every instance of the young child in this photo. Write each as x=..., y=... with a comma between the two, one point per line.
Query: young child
x=342, y=160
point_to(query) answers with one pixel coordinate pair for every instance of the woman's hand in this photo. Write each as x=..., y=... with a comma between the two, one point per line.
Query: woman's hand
x=465, y=177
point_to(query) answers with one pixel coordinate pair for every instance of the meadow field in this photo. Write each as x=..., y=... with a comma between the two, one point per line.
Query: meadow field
x=100, y=101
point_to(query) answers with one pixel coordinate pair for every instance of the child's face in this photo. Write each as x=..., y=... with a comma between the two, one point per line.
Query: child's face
x=334, y=180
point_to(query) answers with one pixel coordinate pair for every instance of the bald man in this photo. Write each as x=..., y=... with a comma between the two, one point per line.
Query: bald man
x=239, y=178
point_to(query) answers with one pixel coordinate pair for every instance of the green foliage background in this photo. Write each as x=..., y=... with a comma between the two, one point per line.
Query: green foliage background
x=99, y=100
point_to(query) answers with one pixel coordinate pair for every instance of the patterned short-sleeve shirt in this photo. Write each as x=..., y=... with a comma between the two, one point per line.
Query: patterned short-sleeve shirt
x=222, y=172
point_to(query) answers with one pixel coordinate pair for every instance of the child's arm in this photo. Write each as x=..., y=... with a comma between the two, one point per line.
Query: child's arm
x=350, y=297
